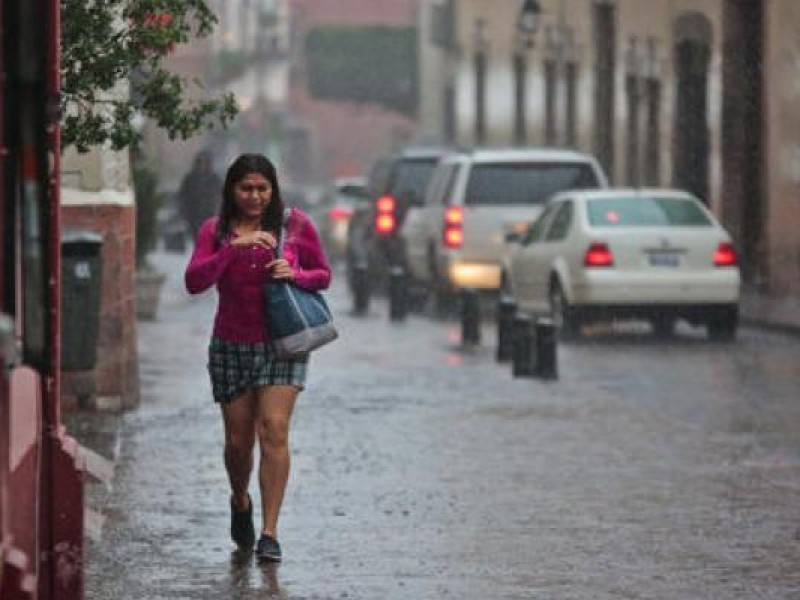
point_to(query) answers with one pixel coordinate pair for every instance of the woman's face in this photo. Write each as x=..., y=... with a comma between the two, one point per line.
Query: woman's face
x=252, y=194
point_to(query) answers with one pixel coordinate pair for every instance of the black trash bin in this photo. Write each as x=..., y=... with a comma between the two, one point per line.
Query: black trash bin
x=81, y=281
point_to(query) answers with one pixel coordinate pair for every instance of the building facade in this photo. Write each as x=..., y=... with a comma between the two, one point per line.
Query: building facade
x=696, y=94
x=341, y=138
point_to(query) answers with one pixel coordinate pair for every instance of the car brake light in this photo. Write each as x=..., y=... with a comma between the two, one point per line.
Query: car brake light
x=454, y=215
x=453, y=238
x=598, y=255
x=340, y=213
x=384, y=224
x=725, y=255
x=385, y=219
x=454, y=227
x=386, y=204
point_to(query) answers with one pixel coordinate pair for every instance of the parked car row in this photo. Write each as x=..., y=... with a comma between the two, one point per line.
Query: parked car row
x=541, y=226
x=609, y=254
x=395, y=185
x=455, y=238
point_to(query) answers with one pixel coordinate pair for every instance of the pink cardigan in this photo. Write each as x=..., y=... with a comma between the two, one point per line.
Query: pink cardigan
x=240, y=274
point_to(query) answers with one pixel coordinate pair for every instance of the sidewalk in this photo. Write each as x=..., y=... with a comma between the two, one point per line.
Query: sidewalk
x=761, y=310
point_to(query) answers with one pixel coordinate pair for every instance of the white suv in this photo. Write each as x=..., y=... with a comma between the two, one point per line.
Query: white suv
x=456, y=238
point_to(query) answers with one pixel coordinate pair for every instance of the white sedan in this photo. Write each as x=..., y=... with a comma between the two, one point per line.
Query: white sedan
x=658, y=255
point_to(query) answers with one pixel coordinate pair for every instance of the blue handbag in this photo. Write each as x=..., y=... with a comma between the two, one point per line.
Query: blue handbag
x=299, y=321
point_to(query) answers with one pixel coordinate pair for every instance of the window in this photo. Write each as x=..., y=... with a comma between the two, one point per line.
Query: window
x=646, y=212
x=652, y=151
x=411, y=178
x=452, y=177
x=433, y=191
x=520, y=98
x=571, y=106
x=480, y=97
x=561, y=223
x=522, y=184
x=449, y=108
x=633, y=134
x=605, y=35
x=550, y=82
x=536, y=232
x=378, y=178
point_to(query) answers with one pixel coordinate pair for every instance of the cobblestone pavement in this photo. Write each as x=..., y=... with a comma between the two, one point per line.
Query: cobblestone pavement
x=652, y=470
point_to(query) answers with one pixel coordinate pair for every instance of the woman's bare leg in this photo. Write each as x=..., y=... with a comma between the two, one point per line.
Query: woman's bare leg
x=276, y=404
x=240, y=416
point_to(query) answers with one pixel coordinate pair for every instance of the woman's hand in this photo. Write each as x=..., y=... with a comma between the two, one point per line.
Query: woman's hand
x=281, y=269
x=263, y=239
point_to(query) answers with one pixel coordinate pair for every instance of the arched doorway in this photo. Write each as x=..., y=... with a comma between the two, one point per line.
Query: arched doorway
x=692, y=33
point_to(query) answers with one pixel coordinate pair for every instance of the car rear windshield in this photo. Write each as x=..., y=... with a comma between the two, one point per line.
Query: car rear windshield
x=526, y=183
x=413, y=176
x=646, y=212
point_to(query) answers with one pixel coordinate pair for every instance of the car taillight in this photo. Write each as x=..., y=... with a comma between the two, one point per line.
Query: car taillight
x=340, y=213
x=385, y=218
x=386, y=204
x=598, y=255
x=725, y=255
x=454, y=227
x=384, y=224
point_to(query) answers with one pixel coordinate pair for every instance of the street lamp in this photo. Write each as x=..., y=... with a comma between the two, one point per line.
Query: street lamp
x=527, y=25
x=528, y=20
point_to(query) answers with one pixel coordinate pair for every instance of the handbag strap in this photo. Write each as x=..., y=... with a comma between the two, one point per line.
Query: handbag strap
x=287, y=212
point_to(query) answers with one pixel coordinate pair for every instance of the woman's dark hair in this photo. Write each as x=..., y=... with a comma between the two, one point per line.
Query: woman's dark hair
x=248, y=164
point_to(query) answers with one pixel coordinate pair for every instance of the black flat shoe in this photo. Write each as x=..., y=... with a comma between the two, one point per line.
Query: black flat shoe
x=268, y=549
x=243, y=533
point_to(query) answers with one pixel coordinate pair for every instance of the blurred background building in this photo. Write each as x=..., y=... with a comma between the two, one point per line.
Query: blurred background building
x=696, y=94
x=313, y=79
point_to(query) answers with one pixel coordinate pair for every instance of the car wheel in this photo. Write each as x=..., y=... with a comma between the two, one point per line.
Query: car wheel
x=722, y=328
x=562, y=313
x=663, y=327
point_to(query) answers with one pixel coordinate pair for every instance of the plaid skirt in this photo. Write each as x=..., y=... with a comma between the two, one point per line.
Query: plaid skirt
x=236, y=367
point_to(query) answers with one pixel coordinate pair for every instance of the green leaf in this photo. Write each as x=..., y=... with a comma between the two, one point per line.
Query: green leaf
x=108, y=42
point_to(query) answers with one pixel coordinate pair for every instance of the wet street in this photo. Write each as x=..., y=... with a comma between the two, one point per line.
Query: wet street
x=651, y=469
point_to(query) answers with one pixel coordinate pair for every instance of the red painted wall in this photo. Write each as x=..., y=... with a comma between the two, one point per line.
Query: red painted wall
x=116, y=372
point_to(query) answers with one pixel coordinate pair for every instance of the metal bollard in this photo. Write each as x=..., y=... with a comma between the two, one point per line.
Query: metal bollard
x=398, y=294
x=361, y=288
x=522, y=357
x=506, y=309
x=546, y=346
x=470, y=317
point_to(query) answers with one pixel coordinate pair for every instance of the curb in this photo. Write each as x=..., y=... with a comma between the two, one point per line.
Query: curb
x=784, y=328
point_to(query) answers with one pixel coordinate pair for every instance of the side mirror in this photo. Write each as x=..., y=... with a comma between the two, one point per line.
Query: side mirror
x=514, y=237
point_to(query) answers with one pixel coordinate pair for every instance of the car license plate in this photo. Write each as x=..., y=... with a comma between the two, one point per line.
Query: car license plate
x=665, y=259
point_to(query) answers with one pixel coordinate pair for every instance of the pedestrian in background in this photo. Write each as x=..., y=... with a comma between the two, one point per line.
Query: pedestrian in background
x=257, y=392
x=198, y=196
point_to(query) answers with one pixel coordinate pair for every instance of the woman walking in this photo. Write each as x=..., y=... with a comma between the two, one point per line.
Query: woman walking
x=257, y=392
